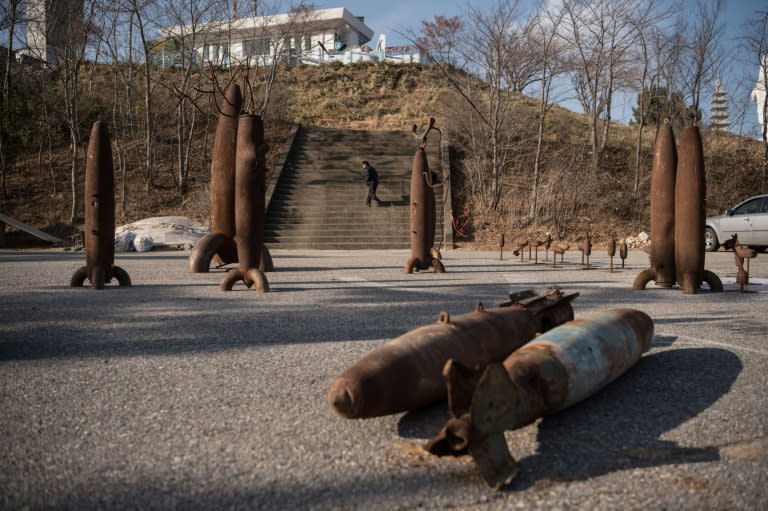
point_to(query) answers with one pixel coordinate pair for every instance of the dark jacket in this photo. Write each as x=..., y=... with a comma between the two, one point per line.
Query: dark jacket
x=371, y=175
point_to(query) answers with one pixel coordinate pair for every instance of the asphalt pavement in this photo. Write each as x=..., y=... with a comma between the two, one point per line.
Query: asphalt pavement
x=171, y=394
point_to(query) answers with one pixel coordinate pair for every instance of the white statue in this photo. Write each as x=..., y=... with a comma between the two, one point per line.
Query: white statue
x=758, y=94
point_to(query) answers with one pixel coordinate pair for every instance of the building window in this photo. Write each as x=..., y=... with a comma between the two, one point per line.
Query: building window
x=211, y=52
x=258, y=46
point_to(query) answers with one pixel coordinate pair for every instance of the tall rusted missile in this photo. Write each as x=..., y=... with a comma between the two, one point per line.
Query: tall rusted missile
x=690, y=212
x=663, y=178
x=557, y=369
x=219, y=245
x=99, y=215
x=422, y=217
x=249, y=205
x=406, y=372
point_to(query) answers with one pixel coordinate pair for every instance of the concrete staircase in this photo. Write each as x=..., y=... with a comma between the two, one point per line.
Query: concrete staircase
x=319, y=199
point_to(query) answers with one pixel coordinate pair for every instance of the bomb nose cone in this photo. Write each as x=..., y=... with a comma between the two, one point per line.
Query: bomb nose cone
x=343, y=398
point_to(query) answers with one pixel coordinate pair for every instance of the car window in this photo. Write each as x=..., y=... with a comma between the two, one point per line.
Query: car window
x=753, y=206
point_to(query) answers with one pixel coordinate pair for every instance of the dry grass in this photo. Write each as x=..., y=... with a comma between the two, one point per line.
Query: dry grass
x=572, y=197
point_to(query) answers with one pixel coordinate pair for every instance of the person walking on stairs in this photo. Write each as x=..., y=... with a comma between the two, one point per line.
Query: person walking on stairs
x=372, y=181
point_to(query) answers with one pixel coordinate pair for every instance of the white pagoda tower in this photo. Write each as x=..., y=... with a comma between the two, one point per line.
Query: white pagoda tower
x=718, y=120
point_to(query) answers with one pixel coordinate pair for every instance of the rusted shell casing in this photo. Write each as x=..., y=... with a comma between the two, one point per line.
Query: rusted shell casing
x=406, y=372
x=99, y=214
x=223, y=175
x=663, y=194
x=99, y=202
x=557, y=369
x=690, y=193
x=422, y=215
x=249, y=204
x=249, y=191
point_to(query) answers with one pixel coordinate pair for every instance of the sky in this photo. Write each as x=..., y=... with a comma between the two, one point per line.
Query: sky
x=391, y=17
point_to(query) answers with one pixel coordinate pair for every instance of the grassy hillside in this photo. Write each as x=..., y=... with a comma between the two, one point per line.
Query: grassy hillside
x=573, y=198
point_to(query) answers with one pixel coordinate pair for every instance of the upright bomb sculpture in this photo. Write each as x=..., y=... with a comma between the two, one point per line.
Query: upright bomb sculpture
x=677, y=215
x=557, y=369
x=690, y=214
x=406, y=372
x=249, y=205
x=423, y=211
x=220, y=245
x=99, y=215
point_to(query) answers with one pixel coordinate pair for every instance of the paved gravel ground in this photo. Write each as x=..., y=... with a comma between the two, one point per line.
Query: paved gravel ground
x=171, y=394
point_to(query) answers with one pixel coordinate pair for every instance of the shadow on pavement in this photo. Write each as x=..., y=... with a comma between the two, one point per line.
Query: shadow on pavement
x=618, y=428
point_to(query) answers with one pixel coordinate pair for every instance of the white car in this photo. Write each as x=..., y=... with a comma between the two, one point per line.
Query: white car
x=749, y=220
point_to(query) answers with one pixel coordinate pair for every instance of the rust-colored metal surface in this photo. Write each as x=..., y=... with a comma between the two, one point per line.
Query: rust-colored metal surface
x=406, y=372
x=423, y=211
x=690, y=212
x=623, y=252
x=249, y=205
x=557, y=369
x=611, y=250
x=586, y=249
x=99, y=199
x=220, y=244
x=678, y=192
x=741, y=253
x=663, y=179
x=559, y=249
x=519, y=246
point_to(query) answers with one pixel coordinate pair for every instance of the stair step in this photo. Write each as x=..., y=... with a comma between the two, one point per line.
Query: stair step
x=319, y=201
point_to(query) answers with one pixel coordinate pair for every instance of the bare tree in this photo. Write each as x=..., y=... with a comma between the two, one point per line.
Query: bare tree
x=543, y=37
x=754, y=41
x=189, y=86
x=600, y=35
x=68, y=63
x=484, y=59
x=11, y=17
x=702, y=52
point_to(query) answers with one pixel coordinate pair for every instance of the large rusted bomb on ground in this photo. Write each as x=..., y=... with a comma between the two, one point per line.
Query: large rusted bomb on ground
x=99, y=215
x=422, y=215
x=406, y=372
x=249, y=205
x=219, y=245
x=557, y=369
x=690, y=212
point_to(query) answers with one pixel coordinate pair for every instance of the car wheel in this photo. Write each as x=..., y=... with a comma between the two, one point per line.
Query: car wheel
x=710, y=240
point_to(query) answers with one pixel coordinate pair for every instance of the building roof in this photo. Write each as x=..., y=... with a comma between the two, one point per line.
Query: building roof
x=319, y=19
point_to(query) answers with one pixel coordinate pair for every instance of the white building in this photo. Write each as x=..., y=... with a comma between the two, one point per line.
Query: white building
x=51, y=28
x=309, y=37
